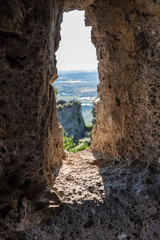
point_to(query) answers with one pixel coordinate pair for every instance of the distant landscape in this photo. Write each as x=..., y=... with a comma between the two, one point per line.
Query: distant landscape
x=78, y=85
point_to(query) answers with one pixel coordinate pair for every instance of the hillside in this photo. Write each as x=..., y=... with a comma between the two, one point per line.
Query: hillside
x=78, y=85
x=71, y=119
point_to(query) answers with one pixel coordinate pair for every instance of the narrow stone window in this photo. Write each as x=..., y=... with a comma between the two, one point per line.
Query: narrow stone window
x=76, y=86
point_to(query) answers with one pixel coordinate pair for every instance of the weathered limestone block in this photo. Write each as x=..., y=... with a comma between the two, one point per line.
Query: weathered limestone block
x=70, y=5
x=31, y=145
x=127, y=43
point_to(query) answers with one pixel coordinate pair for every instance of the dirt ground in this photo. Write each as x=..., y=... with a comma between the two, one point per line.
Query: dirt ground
x=103, y=199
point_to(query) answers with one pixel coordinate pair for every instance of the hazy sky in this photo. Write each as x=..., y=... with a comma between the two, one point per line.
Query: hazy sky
x=76, y=52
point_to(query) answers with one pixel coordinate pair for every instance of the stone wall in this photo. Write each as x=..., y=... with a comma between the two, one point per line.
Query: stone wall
x=70, y=5
x=31, y=145
x=126, y=36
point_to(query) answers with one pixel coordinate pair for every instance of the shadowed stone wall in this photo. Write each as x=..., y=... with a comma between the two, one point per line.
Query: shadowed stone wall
x=31, y=144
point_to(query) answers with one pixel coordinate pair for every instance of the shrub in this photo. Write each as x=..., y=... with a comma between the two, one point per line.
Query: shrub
x=56, y=91
x=81, y=147
x=71, y=146
x=68, y=142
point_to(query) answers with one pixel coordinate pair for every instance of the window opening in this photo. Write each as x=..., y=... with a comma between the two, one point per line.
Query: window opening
x=76, y=87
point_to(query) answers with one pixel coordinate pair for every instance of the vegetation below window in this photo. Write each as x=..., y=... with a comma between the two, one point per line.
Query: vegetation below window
x=71, y=146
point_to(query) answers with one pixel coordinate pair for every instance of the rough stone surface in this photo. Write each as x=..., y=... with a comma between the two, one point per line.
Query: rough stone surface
x=71, y=119
x=70, y=5
x=31, y=145
x=126, y=36
x=103, y=201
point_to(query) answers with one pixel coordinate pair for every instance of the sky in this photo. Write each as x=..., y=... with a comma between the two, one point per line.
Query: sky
x=76, y=52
